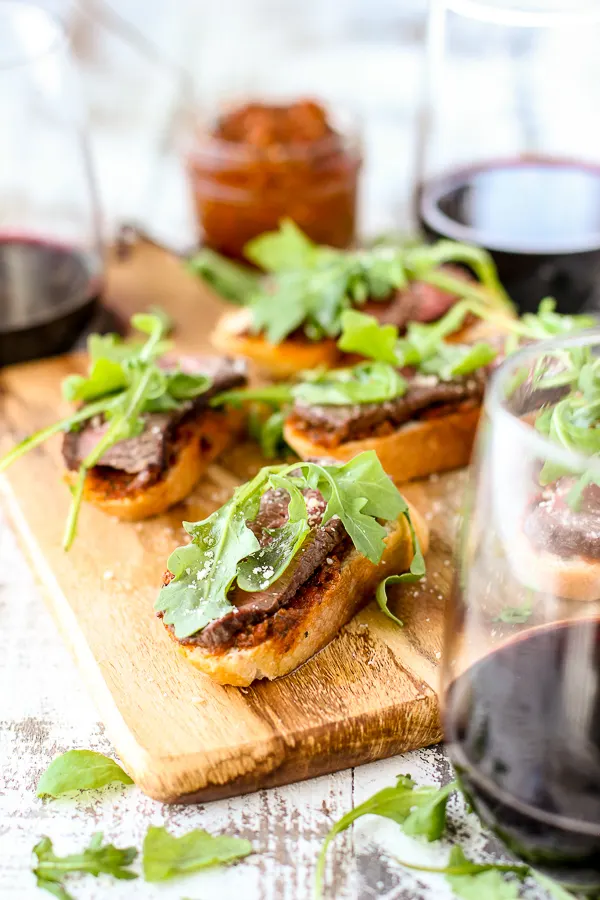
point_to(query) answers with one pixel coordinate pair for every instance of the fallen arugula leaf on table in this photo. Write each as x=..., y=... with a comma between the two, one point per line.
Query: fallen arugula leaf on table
x=419, y=810
x=488, y=885
x=166, y=856
x=97, y=859
x=80, y=770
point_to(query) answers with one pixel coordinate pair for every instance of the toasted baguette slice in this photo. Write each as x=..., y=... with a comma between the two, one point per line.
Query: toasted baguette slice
x=414, y=450
x=198, y=443
x=573, y=578
x=313, y=618
x=231, y=336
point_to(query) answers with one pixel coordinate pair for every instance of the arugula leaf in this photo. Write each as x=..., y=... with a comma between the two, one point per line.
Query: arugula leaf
x=205, y=570
x=484, y=886
x=359, y=492
x=422, y=809
x=97, y=859
x=547, y=323
x=275, y=395
x=315, y=297
x=515, y=615
x=79, y=770
x=233, y=281
x=416, y=572
x=270, y=435
x=423, y=346
x=263, y=567
x=476, y=881
x=285, y=249
x=362, y=333
x=166, y=856
x=369, y=382
x=223, y=548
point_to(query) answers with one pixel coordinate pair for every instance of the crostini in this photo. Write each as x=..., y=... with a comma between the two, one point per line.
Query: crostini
x=143, y=431
x=271, y=577
x=292, y=316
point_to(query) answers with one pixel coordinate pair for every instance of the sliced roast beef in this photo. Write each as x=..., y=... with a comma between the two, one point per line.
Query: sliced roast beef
x=150, y=449
x=425, y=392
x=553, y=525
x=418, y=302
x=250, y=608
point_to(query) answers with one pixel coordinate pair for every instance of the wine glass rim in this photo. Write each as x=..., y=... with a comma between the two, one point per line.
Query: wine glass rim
x=54, y=38
x=518, y=14
x=497, y=410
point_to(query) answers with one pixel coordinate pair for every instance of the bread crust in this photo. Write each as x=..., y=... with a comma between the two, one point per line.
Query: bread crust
x=202, y=440
x=573, y=577
x=313, y=624
x=284, y=360
x=414, y=450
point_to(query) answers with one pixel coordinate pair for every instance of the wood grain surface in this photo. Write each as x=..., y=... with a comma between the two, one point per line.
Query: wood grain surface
x=371, y=693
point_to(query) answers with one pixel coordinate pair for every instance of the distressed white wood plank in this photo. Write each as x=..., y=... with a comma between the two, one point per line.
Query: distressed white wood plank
x=45, y=710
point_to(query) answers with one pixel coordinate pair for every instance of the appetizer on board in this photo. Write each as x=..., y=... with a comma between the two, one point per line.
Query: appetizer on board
x=143, y=431
x=291, y=318
x=417, y=399
x=270, y=577
x=561, y=550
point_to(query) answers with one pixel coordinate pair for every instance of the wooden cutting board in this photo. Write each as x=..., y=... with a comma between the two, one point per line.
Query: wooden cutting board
x=371, y=693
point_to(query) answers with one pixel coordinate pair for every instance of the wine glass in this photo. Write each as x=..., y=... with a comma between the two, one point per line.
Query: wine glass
x=51, y=262
x=522, y=646
x=508, y=150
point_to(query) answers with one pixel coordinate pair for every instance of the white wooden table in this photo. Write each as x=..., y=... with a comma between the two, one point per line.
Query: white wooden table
x=45, y=710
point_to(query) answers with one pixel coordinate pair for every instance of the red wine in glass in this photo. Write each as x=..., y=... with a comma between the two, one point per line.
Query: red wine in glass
x=538, y=217
x=523, y=732
x=49, y=297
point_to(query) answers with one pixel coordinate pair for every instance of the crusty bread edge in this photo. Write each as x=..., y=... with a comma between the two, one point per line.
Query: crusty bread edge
x=414, y=450
x=572, y=578
x=282, y=360
x=353, y=587
x=176, y=483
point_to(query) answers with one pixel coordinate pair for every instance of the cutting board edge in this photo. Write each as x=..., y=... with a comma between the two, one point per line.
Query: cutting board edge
x=194, y=778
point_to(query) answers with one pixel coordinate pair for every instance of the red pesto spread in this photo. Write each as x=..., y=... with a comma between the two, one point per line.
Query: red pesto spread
x=262, y=162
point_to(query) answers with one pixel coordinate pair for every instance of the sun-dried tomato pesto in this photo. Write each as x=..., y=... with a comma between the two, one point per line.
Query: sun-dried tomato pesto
x=260, y=163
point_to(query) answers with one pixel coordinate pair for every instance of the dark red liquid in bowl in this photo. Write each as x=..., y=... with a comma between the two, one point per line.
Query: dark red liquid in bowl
x=523, y=731
x=49, y=296
x=538, y=217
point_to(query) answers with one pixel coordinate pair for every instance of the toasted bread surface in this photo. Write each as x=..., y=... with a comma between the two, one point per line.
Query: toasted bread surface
x=414, y=450
x=198, y=443
x=313, y=618
x=283, y=360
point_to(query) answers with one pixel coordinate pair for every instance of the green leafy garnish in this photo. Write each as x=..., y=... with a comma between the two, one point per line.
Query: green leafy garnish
x=419, y=810
x=369, y=382
x=423, y=346
x=80, y=770
x=309, y=286
x=233, y=281
x=573, y=422
x=97, y=859
x=166, y=856
x=123, y=383
x=223, y=547
x=415, y=573
x=515, y=615
x=314, y=298
x=286, y=249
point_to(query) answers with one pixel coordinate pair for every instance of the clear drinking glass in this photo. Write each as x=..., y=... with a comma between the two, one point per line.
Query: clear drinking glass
x=508, y=153
x=522, y=648
x=51, y=263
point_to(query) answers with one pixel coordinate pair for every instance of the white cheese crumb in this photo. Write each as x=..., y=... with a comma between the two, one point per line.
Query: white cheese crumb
x=329, y=561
